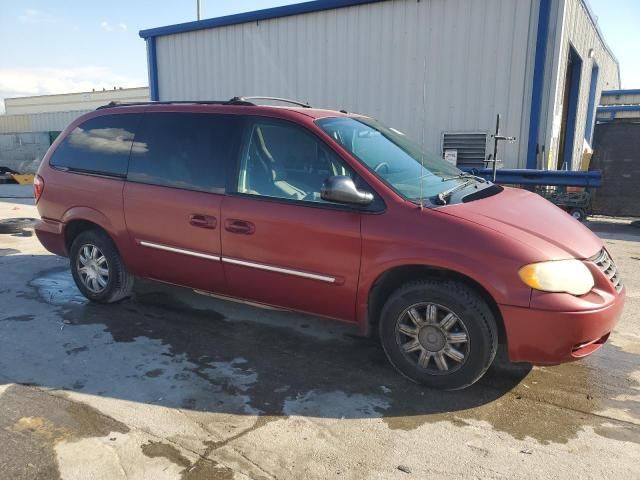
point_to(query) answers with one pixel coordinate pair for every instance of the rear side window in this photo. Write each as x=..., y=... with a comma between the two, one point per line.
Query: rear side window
x=100, y=145
x=184, y=150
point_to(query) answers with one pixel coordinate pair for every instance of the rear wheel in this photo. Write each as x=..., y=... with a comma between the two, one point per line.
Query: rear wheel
x=97, y=268
x=439, y=333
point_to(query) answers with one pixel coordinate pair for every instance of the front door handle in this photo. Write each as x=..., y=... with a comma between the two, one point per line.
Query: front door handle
x=241, y=227
x=203, y=221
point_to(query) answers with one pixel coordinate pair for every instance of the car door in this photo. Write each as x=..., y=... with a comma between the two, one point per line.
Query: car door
x=281, y=244
x=175, y=185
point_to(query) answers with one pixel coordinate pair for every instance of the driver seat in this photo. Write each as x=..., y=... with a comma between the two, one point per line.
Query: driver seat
x=265, y=176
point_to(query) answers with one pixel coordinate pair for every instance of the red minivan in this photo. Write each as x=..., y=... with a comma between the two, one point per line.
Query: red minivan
x=329, y=213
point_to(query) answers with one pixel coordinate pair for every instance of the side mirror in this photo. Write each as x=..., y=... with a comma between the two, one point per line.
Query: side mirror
x=341, y=189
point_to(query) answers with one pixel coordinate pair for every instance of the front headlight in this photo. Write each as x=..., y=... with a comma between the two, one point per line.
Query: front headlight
x=570, y=276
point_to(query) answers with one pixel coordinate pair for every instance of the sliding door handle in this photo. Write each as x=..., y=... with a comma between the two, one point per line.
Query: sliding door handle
x=241, y=227
x=203, y=221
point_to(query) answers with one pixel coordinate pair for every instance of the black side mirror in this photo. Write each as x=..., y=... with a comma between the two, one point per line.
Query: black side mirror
x=341, y=189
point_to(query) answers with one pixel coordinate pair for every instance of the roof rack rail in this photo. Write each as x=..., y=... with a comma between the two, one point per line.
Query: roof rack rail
x=278, y=99
x=233, y=101
x=245, y=101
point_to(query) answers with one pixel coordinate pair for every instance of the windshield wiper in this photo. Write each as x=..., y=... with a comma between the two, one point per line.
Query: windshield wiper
x=443, y=197
x=464, y=175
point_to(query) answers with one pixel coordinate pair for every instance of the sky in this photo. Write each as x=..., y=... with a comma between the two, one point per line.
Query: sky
x=72, y=45
x=619, y=22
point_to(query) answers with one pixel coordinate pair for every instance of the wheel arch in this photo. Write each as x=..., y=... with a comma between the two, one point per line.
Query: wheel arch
x=395, y=277
x=76, y=227
x=80, y=219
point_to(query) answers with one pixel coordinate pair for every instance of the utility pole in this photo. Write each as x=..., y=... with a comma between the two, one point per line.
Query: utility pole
x=199, y=9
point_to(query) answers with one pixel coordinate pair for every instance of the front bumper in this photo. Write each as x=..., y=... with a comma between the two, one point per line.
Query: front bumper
x=546, y=337
x=51, y=236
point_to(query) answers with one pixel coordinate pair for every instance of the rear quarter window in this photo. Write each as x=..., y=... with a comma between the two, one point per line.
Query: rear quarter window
x=100, y=145
x=192, y=151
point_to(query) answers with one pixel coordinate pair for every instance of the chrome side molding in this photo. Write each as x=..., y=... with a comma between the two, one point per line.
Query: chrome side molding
x=167, y=248
x=297, y=273
x=243, y=263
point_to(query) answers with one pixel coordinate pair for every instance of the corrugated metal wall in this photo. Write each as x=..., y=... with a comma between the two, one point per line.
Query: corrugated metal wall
x=618, y=156
x=626, y=97
x=67, y=102
x=620, y=114
x=15, y=123
x=23, y=152
x=38, y=122
x=579, y=32
x=423, y=67
x=554, y=36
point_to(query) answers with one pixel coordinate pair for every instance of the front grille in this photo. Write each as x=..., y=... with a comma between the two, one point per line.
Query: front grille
x=608, y=267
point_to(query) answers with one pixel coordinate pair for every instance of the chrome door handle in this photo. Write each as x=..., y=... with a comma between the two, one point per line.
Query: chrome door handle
x=203, y=221
x=241, y=227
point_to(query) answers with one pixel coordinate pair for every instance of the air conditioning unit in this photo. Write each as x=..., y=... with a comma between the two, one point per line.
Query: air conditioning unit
x=465, y=149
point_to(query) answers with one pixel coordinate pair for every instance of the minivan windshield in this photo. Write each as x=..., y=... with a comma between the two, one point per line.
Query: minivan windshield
x=394, y=158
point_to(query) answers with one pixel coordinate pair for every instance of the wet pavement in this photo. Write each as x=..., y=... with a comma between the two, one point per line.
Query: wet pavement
x=172, y=384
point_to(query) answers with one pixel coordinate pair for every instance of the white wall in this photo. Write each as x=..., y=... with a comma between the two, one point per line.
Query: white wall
x=38, y=122
x=576, y=29
x=624, y=99
x=73, y=101
x=23, y=152
x=423, y=67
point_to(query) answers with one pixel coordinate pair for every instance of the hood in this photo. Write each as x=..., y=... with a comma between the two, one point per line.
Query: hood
x=532, y=220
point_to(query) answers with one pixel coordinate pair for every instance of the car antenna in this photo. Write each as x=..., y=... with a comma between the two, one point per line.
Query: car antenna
x=424, y=109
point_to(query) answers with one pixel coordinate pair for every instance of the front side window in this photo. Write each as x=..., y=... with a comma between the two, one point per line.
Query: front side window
x=283, y=160
x=393, y=157
x=100, y=145
x=191, y=151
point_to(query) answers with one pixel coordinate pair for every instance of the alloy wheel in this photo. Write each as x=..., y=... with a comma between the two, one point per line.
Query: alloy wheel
x=93, y=268
x=433, y=338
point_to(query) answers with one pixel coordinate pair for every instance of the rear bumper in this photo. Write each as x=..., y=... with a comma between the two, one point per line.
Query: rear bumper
x=51, y=236
x=547, y=337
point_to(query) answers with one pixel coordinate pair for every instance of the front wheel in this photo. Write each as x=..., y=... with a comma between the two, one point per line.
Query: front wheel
x=440, y=333
x=97, y=268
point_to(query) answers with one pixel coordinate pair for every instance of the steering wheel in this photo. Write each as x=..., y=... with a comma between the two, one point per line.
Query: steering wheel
x=381, y=165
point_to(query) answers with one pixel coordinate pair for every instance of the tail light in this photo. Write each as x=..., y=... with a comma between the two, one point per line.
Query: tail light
x=38, y=187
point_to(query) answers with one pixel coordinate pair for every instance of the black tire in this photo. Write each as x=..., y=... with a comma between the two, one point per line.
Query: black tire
x=578, y=213
x=119, y=282
x=16, y=225
x=472, y=319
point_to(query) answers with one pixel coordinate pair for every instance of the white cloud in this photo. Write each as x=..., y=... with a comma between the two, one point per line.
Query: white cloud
x=22, y=82
x=33, y=16
x=108, y=27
